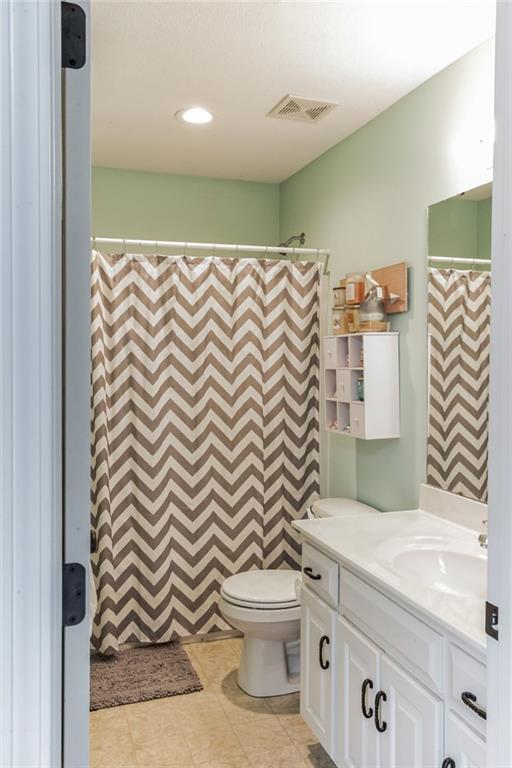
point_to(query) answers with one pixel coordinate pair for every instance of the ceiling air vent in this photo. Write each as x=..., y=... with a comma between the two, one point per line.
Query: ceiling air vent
x=300, y=108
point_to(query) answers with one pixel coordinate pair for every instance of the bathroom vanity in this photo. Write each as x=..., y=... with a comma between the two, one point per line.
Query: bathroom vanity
x=393, y=651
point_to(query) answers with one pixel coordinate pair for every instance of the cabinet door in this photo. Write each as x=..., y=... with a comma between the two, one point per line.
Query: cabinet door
x=317, y=666
x=463, y=746
x=356, y=683
x=411, y=720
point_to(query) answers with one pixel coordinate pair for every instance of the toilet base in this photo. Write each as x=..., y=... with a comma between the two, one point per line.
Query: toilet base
x=263, y=671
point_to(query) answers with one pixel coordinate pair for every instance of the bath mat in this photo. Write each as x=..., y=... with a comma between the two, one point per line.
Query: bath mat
x=141, y=674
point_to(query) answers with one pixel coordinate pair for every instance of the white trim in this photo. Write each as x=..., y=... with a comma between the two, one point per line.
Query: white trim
x=77, y=377
x=499, y=681
x=30, y=386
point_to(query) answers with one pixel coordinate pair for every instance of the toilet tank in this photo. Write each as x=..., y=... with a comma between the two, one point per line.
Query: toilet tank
x=341, y=507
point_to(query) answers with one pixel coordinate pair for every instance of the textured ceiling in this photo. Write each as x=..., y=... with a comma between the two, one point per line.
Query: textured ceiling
x=239, y=59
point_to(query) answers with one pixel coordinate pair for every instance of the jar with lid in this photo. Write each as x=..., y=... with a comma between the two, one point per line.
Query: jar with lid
x=354, y=290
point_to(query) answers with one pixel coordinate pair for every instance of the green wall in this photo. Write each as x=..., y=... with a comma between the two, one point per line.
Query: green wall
x=155, y=206
x=459, y=228
x=367, y=199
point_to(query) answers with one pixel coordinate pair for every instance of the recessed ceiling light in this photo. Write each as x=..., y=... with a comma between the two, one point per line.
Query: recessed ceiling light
x=195, y=115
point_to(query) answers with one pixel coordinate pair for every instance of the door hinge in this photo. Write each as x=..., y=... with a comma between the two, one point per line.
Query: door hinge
x=73, y=594
x=73, y=23
x=491, y=620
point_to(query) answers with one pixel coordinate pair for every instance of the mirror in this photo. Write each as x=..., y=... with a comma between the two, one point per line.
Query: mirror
x=459, y=296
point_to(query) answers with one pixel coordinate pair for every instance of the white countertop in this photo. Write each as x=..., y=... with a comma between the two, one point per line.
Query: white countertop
x=368, y=544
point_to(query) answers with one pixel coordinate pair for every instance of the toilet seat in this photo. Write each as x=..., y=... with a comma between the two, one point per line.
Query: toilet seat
x=262, y=589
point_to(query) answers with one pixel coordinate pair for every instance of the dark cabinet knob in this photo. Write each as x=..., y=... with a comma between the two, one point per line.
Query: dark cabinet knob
x=469, y=699
x=309, y=572
x=367, y=712
x=380, y=724
x=448, y=763
x=324, y=640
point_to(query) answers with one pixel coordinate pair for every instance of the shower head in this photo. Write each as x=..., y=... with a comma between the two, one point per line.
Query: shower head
x=301, y=238
x=287, y=243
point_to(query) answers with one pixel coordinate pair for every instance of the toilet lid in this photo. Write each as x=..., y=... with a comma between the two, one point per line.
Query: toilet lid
x=262, y=589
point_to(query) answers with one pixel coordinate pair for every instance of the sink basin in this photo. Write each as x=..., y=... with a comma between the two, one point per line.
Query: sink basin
x=451, y=572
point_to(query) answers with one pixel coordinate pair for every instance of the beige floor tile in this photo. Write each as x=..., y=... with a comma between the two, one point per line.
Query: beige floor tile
x=285, y=757
x=239, y=706
x=170, y=752
x=285, y=705
x=215, y=746
x=119, y=757
x=315, y=756
x=205, y=720
x=108, y=733
x=150, y=724
x=255, y=739
x=239, y=762
x=297, y=729
x=219, y=727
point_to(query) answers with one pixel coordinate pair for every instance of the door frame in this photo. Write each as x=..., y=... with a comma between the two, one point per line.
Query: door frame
x=30, y=385
x=499, y=653
x=76, y=258
x=31, y=652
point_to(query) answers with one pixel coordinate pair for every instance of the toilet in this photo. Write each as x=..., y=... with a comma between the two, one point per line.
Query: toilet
x=265, y=606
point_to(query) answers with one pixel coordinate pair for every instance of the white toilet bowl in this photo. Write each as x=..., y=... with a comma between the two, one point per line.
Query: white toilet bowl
x=263, y=605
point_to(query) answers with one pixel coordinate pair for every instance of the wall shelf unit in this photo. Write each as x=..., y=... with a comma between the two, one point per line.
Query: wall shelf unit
x=361, y=385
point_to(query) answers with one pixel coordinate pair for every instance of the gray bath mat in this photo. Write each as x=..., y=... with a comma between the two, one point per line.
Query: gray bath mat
x=141, y=674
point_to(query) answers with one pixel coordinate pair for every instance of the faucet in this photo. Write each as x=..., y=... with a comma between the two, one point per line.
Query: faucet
x=482, y=538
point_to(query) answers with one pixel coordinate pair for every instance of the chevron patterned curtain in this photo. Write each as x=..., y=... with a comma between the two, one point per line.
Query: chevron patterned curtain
x=459, y=325
x=205, y=441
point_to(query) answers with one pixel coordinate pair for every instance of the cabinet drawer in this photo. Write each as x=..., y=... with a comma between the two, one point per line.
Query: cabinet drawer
x=344, y=386
x=330, y=353
x=357, y=420
x=467, y=675
x=407, y=639
x=320, y=573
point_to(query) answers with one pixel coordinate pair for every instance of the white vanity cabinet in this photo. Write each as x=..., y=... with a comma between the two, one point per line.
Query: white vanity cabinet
x=357, y=680
x=317, y=667
x=386, y=717
x=380, y=687
x=411, y=718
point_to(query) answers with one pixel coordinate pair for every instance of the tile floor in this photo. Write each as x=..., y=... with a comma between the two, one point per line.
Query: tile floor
x=219, y=727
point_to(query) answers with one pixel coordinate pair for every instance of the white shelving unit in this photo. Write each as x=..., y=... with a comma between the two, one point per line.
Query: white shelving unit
x=372, y=357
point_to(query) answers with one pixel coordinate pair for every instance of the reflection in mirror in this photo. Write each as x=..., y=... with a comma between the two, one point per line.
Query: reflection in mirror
x=459, y=295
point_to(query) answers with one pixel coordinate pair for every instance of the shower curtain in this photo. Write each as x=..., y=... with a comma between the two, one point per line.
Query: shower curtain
x=205, y=441
x=459, y=328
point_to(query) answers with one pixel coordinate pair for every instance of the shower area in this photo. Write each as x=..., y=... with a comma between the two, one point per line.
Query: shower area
x=204, y=429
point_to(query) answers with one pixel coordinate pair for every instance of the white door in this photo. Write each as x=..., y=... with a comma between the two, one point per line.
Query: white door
x=77, y=343
x=410, y=721
x=499, y=651
x=317, y=664
x=462, y=745
x=356, y=684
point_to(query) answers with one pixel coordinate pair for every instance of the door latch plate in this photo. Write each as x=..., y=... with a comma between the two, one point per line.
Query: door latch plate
x=73, y=23
x=491, y=620
x=73, y=594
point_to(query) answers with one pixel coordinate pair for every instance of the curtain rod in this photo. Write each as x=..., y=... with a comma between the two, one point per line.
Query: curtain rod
x=266, y=249
x=458, y=260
